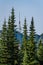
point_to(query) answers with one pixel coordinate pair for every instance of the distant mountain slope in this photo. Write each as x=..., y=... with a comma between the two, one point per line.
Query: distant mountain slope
x=41, y=38
x=37, y=37
x=19, y=36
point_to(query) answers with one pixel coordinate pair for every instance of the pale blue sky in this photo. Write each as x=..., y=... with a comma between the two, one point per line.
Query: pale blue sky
x=27, y=8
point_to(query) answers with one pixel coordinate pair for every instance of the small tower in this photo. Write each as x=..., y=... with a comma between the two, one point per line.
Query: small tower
x=20, y=31
x=19, y=24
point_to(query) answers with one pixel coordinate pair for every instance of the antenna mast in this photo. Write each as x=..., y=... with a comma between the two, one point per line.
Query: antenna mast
x=19, y=23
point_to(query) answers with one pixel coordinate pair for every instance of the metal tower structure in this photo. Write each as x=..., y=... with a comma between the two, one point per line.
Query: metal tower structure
x=19, y=23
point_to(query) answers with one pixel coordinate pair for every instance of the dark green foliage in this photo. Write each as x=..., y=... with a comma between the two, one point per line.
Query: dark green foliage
x=25, y=34
x=32, y=46
x=32, y=36
x=32, y=31
x=12, y=40
x=24, y=46
x=9, y=45
x=4, y=51
x=40, y=51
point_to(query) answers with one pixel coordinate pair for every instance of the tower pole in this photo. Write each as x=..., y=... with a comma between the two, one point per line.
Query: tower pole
x=19, y=23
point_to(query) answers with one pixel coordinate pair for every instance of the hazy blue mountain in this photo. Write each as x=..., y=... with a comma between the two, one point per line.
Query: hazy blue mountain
x=19, y=36
x=41, y=38
x=37, y=37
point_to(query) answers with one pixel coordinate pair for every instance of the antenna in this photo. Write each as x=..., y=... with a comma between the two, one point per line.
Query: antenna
x=19, y=23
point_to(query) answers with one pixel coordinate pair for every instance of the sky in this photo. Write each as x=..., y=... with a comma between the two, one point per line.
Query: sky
x=26, y=8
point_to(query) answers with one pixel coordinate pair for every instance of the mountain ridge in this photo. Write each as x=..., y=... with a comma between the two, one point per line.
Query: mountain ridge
x=19, y=36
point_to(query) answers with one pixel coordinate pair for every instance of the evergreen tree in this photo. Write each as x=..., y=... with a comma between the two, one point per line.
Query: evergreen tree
x=32, y=46
x=9, y=45
x=32, y=31
x=0, y=50
x=25, y=34
x=40, y=52
x=12, y=40
x=24, y=46
x=4, y=51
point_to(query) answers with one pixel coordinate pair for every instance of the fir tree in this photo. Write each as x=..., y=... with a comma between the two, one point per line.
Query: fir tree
x=25, y=34
x=12, y=40
x=4, y=51
x=9, y=45
x=32, y=31
x=32, y=46
x=0, y=50
x=40, y=52
x=25, y=41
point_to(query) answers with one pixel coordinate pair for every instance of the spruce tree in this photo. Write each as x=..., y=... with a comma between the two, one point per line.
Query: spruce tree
x=9, y=45
x=0, y=50
x=24, y=46
x=40, y=52
x=4, y=51
x=25, y=34
x=32, y=46
x=32, y=31
x=12, y=40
